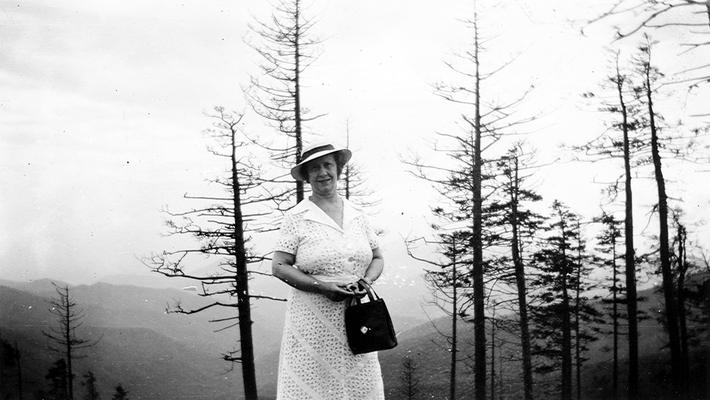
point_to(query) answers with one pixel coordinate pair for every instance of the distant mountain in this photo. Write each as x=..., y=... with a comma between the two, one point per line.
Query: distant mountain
x=157, y=355
x=120, y=313
x=148, y=364
x=426, y=346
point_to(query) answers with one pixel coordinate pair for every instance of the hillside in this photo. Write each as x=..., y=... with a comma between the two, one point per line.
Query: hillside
x=150, y=345
x=426, y=347
x=156, y=355
x=149, y=364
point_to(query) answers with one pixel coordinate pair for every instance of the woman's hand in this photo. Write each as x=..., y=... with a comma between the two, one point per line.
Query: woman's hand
x=335, y=291
x=357, y=289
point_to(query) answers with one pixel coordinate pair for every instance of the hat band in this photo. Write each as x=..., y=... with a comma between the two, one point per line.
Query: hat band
x=315, y=150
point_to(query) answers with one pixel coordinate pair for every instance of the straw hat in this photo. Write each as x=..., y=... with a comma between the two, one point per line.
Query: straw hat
x=312, y=152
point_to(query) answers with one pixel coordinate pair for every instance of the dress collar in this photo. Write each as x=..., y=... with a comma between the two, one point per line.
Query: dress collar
x=309, y=210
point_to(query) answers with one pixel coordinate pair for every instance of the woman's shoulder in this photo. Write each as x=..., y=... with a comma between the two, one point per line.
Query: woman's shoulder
x=297, y=213
x=299, y=209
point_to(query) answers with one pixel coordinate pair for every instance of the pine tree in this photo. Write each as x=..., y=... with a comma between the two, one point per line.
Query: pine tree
x=10, y=363
x=224, y=225
x=57, y=377
x=608, y=257
x=449, y=282
x=285, y=44
x=410, y=382
x=511, y=211
x=623, y=141
x=120, y=393
x=555, y=303
x=91, y=392
x=649, y=75
x=63, y=338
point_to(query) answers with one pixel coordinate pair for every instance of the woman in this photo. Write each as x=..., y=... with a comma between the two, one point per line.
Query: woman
x=325, y=248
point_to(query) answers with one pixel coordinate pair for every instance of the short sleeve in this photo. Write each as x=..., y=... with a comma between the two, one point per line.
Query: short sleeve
x=288, y=236
x=370, y=232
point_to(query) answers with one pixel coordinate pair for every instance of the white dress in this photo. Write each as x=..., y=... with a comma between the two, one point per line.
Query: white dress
x=315, y=362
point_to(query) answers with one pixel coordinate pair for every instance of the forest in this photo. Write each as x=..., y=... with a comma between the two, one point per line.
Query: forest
x=524, y=290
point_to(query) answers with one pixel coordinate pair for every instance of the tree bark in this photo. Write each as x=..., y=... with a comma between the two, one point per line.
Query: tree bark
x=614, y=315
x=668, y=290
x=68, y=343
x=682, y=269
x=521, y=287
x=242, y=285
x=493, y=355
x=566, y=377
x=479, y=318
x=454, y=318
x=297, y=96
x=578, y=288
x=19, y=371
x=629, y=255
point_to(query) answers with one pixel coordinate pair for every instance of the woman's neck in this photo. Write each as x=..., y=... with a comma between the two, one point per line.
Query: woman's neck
x=329, y=198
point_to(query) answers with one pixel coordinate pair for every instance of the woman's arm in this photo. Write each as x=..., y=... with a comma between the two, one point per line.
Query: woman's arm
x=282, y=268
x=374, y=270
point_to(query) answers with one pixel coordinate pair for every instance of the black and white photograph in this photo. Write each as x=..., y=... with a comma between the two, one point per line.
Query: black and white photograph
x=359, y=200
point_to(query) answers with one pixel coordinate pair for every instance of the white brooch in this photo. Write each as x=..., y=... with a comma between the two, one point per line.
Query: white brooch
x=364, y=330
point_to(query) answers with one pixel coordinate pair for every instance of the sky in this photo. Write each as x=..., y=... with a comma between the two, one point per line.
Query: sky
x=102, y=113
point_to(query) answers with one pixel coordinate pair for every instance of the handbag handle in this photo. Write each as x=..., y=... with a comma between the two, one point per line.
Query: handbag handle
x=371, y=294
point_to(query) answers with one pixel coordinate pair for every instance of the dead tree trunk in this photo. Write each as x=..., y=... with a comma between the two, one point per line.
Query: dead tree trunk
x=520, y=284
x=577, y=307
x=454, y=320
x=668, y=289
x=242, y=284
x=629, y=254
x=479, y=318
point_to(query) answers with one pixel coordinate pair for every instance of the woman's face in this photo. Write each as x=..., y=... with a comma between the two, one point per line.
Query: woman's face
x=322, y=174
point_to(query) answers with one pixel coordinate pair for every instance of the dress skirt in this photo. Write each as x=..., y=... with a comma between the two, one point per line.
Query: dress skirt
x=315, y=362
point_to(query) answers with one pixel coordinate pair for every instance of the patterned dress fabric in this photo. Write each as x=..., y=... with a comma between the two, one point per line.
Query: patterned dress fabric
x=315, y=362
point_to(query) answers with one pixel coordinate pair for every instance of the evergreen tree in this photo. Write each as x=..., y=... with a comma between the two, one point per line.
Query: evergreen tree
x=410, y=382
x=63, y=338
x=120, y=393
x=520, y=224
x=91, y=392
x=555, y=302
x=57, y=377
x=10, y=364
x=608, y=259
x=450, y=283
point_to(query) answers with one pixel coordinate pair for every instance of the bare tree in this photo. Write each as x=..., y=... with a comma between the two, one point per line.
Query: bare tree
x=649, y=74
x=449, y=278
x=285, y=45
x=690, y=16
x=63, y=338
x=354, y=187
x=622, y=141
x=224, y=226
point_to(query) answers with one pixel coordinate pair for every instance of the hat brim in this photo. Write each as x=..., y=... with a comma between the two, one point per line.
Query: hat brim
x=296, y=171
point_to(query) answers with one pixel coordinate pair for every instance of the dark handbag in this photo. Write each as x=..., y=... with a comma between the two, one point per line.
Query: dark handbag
x=368, y=325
